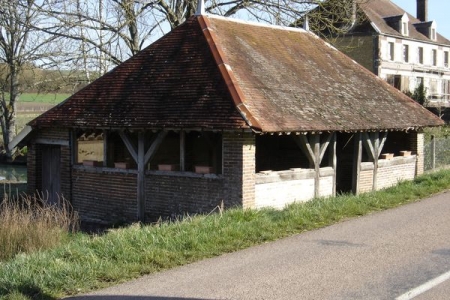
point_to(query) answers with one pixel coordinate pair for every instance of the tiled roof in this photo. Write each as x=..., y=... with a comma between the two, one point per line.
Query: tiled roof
x=379, y=11
x=173, y=83
x=213, y=72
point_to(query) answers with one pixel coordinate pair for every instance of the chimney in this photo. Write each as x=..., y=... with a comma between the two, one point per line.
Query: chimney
x=422, y=10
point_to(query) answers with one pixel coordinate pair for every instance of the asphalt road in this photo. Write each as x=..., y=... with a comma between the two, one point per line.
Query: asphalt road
x=380, y=256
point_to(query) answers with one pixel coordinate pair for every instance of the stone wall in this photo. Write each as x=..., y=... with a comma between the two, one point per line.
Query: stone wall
x=390, y=172
x=277, y=189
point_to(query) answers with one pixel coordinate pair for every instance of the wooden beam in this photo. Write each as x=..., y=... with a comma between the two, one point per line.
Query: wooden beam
x=332, y=161
x=382, y=142
x=73, y=147
x=357, y=158
x=375, y=136
x=52, y=142
x=368, y=145
x=141, y=177
x=324, y=146
x=129, y=146
x=155, y=145
x=316, y=143
x=105, y=148
x=303, y=143
x=182, y=150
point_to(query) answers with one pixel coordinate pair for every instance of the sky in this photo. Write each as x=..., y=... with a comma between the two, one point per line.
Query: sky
x=438, y=10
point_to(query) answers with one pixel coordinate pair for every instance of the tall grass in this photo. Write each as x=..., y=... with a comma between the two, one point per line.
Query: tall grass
x=29, y=223
x=91, y=262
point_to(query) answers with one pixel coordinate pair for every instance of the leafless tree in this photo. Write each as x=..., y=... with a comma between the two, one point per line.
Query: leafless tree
x=21, y=48
x=107, y=32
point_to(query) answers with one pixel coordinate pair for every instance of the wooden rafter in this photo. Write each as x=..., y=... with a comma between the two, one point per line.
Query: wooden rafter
x=129, y=145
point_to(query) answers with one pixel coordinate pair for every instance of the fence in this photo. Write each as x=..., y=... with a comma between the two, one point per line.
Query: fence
x=437, y=153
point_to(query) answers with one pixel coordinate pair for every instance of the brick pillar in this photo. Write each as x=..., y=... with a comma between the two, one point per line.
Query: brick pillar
x=239, y=169
x=417, y=141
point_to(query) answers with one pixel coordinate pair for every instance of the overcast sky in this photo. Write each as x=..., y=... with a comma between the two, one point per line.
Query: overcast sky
x=438, y=10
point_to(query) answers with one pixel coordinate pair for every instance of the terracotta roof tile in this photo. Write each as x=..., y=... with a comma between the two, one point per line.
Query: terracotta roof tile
x=173, y=83
x=294, y=81
x=233, y=74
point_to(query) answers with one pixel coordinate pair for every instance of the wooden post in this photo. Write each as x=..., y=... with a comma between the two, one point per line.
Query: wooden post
x=316, y=143
x=141, y=157
x=376, y=146
x=105, y=148
x=182, y=150
x=357, y=158
x=433, y=152
x=332, y=161
x=314, y=151
x=141, y=177
x=73, y=144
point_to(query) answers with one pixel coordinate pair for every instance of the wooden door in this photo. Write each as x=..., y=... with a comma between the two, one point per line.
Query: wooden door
x=51, y=172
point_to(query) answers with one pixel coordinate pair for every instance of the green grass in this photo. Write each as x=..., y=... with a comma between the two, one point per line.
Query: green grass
x=43, y=98
x=91, y=262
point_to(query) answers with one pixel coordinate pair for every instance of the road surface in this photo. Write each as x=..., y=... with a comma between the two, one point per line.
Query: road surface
x=385, y=255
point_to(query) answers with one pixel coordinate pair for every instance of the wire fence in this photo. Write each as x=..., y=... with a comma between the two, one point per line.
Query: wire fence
x=437, y=153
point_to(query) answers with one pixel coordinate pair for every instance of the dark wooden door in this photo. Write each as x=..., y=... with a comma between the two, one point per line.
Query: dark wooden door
x=51, y=172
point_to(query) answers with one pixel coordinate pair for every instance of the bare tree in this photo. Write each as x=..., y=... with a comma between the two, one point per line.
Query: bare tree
x=21, y=47
x=110, y=31
x=104, y=33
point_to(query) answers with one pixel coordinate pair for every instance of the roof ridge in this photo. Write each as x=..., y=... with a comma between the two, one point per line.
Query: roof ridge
x=254, y=23
x=227, y=74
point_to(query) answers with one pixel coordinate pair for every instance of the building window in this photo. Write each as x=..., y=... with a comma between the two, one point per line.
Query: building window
x=433, y=34
x=419, y=81
x=446, y=59
x=434, y=57
x=395, y=81
x=446, y=89
x=89, y=147
x=420, y=55
x=405, y=53
x=391, y=51
x=405, y=28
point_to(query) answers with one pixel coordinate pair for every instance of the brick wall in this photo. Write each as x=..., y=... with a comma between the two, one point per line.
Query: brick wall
x=390, y=172
x=172, y=196
x=177, y=193
x=102, y=196
x=417, y=141
x=239, y=169
x=277, y=189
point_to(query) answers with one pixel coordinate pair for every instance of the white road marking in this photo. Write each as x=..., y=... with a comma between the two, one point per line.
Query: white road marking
x=424, y=287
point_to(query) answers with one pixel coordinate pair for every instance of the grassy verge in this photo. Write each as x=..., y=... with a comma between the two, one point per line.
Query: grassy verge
x=92, y=262
x=43, y=98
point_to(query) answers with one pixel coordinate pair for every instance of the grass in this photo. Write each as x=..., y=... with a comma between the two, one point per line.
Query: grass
x=29, y=224
x=43, y=98
x=91, y=262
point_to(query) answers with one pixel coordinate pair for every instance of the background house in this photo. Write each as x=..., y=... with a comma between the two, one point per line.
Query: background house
x=402, y=49
x=224, y=112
